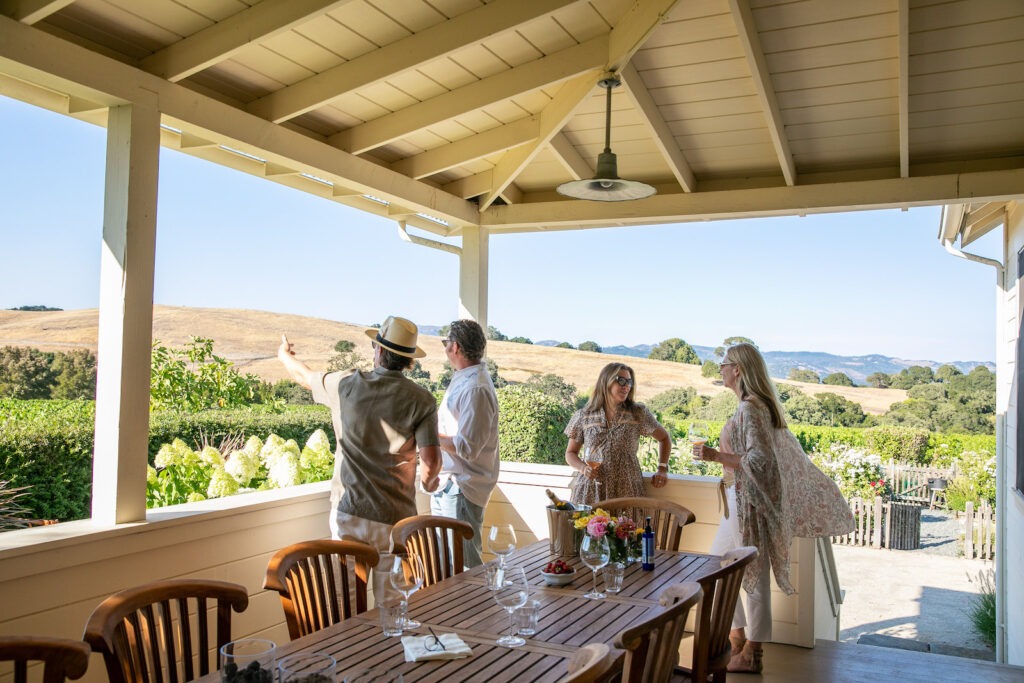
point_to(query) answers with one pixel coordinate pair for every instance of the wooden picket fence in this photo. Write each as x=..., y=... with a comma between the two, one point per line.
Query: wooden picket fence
x=910, y=483
x=980, y=532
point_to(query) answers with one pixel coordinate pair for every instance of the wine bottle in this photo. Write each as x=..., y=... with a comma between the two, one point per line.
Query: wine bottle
x=647, y=549
x=558, y=502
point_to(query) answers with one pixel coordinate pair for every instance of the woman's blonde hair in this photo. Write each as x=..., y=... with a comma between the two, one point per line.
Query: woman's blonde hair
x=754, y=379
x=604, y=382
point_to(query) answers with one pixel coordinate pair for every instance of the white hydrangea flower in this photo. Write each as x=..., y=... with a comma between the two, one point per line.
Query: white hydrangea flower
x=150, y=474
x=244, y=466
x=253, y=445
x=221, y=484
x=284, y=469
x=317, y=460
x=318, y=441
x=195, y=497
x=175, y=453
x=211, y=457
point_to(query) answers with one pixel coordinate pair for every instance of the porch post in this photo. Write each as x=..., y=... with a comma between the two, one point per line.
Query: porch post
x=125, y=314
x=473, y=275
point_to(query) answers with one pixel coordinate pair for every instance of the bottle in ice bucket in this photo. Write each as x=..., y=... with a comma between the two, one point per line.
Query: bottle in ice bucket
x=647, y=552
x=558, y=502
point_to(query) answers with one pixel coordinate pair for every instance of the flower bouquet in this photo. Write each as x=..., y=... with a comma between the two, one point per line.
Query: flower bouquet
x=624, y=536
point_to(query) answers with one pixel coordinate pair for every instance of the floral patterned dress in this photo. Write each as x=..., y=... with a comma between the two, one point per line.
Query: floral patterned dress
x=620, y=474
x=780, y=493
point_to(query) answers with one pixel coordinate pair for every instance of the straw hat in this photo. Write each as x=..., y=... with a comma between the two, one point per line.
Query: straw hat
x=397, y=335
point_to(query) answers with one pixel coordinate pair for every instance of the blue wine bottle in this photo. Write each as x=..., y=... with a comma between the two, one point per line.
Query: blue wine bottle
x=647, y=553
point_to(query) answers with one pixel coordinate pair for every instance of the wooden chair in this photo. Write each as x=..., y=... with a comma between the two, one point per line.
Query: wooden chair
x=721, y=590
x=652, y=646
x=160, y=630
x=317, y=585
x=61, y=658
x=667, y=518
x=593, y=663
x=436, y=540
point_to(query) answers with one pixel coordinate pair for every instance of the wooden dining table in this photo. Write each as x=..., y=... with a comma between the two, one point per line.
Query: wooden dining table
x=464, y=605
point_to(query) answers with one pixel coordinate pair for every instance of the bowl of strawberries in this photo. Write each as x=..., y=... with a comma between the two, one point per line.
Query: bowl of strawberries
x=558, y=573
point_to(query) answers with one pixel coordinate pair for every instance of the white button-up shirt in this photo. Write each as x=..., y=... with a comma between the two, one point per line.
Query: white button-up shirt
x=469, y=414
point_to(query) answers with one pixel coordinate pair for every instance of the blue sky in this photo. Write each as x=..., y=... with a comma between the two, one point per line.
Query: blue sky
x=850, y=284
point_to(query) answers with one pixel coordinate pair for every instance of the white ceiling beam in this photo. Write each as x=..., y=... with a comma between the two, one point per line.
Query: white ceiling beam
x=428, y=45
x=633, y=30
x=512, y=194
x=751, y=43
x=566, y=153
x=497, y=88
x=224, y=39
x=890, y=193
x=660, y=132
x=469, y=149
x=903, y=63
x=37, y=57
x=470, y=186
x=31, y=11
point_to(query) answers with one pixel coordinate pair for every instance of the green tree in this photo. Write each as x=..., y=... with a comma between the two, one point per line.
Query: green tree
x=879, y=380
x=719, y=408
x=193, y=378
x=729, y=341
x=675, y=405
x=76, y=375
x=564, y=345
x=675, y=350
x=344, y=346
x=840, y=411
x=292, y=393
x=928, y=392
x=492, y=369
x=804, y=375
x=417, y=373
x=787, y=391
x=25, y=372
x=947, y=372
x=347, y=358
x=838, y=379
x=590, y=346
x=521, y=340
x=495, y=334
x=804, y=409
x=914, y=375
x=710, y=369
x=556, y=387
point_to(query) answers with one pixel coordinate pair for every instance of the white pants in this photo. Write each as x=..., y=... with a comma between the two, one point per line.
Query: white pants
x=759, y=602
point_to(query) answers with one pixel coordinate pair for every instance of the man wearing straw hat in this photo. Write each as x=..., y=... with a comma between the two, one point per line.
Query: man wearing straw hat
x=381, y=420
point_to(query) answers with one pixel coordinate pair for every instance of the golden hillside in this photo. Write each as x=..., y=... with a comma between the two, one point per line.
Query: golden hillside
x=250, y=340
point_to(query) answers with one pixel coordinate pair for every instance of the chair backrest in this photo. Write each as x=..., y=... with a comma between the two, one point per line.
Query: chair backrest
x=436, y=540
x=160, y=631
x=721, y=590
x=61, y=658
x=667, y=518
x=316, y=583
x=652, y=646
x=593, y=663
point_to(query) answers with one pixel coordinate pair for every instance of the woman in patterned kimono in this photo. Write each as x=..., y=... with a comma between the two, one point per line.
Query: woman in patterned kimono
x=774, y=493
x=608, y=430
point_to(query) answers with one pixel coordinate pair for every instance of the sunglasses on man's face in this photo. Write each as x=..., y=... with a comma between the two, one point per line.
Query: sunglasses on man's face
x=623, y=381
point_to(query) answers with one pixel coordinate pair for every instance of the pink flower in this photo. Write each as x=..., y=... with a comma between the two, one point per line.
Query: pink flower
x=598, y=527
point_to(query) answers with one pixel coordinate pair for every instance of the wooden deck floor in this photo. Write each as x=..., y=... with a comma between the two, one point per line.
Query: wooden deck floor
x=832, y=662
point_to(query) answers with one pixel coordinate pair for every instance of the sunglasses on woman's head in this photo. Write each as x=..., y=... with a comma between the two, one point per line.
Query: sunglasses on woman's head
x=623, y=381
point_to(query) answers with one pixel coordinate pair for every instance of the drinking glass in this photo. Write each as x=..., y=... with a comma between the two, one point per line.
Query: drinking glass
x=595, y=553
x=407, y=578
x=593, y=457
x=512, y=593
x=501, y=541
x=248, y=659
x=697, y=434
x=307, y=667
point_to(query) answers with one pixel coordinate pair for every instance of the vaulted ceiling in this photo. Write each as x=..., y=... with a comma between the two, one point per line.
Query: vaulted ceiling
x=447, y=113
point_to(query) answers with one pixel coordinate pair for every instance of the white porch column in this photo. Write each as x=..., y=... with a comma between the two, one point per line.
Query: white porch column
x=473, y=275
x=126, y=315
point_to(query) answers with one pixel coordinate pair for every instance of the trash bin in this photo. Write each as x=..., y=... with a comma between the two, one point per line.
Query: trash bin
x=564, y=539
x=904, y=526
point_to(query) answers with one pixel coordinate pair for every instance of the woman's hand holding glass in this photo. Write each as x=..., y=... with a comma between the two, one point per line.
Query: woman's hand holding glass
x=512, y=593
x=407, y=577
x=501, y=541
x=697, y=435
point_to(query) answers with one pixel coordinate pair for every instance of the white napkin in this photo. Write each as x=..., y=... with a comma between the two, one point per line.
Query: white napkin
x=416, y=648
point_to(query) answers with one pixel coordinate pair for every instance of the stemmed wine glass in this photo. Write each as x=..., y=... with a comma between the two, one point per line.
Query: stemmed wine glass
x=512, y=593
x=697, y=434
x=406, y=577
x=593, y=457
x=501, y=541
x=595, y=553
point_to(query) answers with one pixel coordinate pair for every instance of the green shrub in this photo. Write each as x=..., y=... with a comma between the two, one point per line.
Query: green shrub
x=902, y=444
x=530, y=425
x=983, y=609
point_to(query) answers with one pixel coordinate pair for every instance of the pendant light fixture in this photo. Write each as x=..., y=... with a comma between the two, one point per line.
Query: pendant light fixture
x=606, y=185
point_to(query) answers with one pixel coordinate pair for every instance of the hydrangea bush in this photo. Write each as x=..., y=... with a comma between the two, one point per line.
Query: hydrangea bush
x=184, y=475
x=855, y=471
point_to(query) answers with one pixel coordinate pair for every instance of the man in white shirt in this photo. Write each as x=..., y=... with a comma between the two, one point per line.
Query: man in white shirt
x=468, y=433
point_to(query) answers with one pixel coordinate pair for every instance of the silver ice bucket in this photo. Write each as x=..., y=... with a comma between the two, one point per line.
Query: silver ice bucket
x=564, y=538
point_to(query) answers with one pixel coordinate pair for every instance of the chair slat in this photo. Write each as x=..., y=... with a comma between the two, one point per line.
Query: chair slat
x=61, y=658
x=437, y=541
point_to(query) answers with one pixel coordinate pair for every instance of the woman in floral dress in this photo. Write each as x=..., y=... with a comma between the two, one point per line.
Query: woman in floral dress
x=608, y=429
x=774, y=492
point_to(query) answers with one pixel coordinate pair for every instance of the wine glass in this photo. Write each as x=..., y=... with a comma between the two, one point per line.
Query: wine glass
x=697, y=434
x=593, y=457
x=501, y=541
x=406, y=577
x=595, y=553
x=512, y=593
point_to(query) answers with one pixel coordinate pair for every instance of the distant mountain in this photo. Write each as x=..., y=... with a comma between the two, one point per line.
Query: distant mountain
x=781, y=362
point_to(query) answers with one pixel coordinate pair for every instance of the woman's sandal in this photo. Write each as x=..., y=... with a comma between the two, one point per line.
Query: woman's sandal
x=737, y=643
x=749, y=660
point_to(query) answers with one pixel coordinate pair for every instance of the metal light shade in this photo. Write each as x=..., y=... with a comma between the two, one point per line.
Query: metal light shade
x=606, y=185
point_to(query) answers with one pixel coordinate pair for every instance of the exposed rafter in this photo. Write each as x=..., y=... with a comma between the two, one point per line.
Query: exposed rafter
x=427, y=45
x=903, y=63
x=468, y=149
x=31, y=11
x=222, y=40
x=747, y=30
x=566, y=153
x=660, y=132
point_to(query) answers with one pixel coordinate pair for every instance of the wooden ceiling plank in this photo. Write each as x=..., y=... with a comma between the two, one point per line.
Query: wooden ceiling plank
x=659, y=130
x=634, y=28
x=474, y=147
x=470, y=186
x=568, y=157
x=748, y=34
x=476, y=95
x=903, y=39
x=31, y=11
x=226, y=38
x=428, y=45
